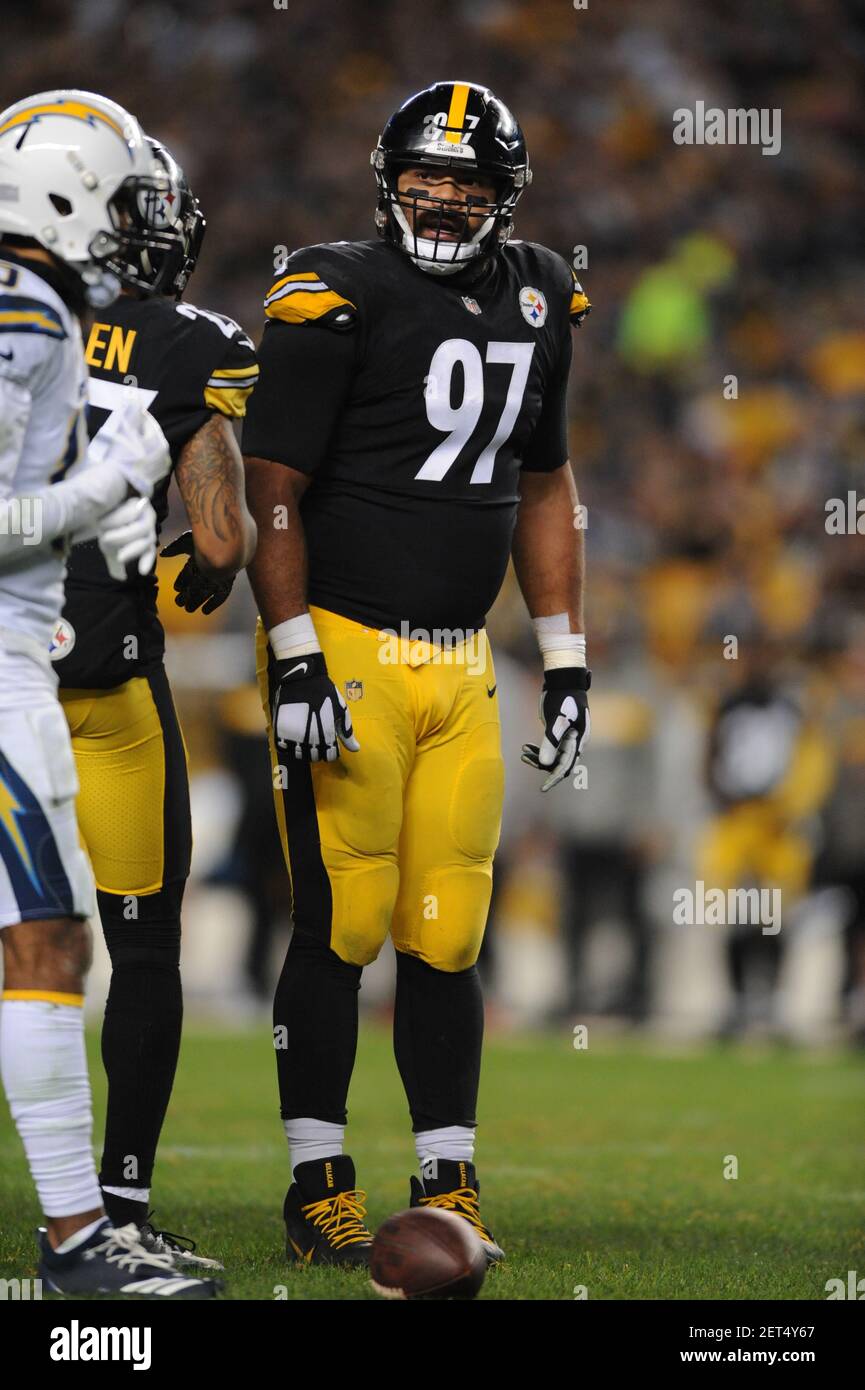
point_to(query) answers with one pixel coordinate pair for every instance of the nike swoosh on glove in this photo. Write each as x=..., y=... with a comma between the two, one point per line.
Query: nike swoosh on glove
x=310, y=717
x=565, y=716
x=192, y=588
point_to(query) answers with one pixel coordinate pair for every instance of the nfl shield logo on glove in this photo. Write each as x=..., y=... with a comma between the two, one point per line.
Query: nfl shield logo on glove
x=354, y=690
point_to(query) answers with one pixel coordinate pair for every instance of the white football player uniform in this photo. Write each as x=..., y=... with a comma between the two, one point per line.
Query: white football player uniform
x=43, y=439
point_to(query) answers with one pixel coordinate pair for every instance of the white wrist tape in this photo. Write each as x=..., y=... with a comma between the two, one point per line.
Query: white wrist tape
x=559, y=646
x=294, y=637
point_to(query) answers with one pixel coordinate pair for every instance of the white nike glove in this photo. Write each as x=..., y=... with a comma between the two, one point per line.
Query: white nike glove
x=128, y=533
x=132, y=443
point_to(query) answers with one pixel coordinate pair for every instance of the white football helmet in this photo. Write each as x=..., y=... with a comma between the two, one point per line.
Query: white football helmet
x=73, y=166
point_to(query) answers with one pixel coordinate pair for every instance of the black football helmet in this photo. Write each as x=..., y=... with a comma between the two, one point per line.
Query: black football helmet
x=465, y=128
x=174, y=231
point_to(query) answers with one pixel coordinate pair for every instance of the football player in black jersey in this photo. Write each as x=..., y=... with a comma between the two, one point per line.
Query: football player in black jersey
x=194, y=370
x=408, y=437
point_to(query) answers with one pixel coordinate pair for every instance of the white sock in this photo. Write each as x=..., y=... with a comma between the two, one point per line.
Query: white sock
x=309, y=1140
x=44, y=1071
x=132, y=1194
x=73, y=1241
x=456, y=1142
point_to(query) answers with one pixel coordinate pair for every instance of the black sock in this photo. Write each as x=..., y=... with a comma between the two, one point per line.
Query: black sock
x=438, y=1033
x=140, y=1032
x=315, y=1030
x=122, y=1210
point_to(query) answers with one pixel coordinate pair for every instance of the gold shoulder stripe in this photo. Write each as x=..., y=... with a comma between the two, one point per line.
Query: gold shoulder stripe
x=580, y=303
x=303, y=297
x=288, y=283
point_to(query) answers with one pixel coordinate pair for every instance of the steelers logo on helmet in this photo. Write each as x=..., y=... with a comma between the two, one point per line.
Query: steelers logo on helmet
x=533, y=306
x=169, y=226
x=62, y=641
x=461, y=139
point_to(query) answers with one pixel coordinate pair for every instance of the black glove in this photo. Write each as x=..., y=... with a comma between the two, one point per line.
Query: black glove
x=310, y=717
x=192, y=587
x=565, y=717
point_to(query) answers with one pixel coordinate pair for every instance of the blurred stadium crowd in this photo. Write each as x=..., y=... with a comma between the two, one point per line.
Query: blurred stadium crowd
x=717, y=404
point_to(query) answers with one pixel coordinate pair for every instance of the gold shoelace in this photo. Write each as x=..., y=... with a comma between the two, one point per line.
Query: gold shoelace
x=340, y=1217
x=463, y=1201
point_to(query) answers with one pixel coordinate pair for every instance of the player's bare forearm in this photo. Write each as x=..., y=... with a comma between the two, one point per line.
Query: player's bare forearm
x=279, y=571
x=548, y=549
x=210, y=477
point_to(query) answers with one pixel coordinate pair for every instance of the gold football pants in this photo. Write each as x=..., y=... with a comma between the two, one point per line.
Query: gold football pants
x=400, y=836
x=133, y=801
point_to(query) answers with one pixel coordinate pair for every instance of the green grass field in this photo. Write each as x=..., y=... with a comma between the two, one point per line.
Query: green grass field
x=601, y=1168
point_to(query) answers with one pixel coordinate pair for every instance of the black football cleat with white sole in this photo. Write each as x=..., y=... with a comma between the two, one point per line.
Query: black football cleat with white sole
x=324, y=1215
x=180, y=1250
x=452, y=1185
x=113, y=1261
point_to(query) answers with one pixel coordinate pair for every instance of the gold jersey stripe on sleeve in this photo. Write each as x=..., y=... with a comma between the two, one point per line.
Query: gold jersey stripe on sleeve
x=234, y=373
x=228, y=400
x=303, y=298
x=456, y=118
x=221, y=383
x=580, y=303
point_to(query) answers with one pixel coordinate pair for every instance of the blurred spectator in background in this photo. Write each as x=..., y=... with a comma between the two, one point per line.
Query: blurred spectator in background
x=768, y=770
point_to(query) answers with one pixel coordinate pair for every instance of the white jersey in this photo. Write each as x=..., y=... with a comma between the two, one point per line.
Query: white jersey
x=43, y=438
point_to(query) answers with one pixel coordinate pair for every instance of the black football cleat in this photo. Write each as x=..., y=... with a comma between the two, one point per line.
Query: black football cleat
x=324, y=1215
x=451, y=1185
x=113, y=1261
x=180, y=1250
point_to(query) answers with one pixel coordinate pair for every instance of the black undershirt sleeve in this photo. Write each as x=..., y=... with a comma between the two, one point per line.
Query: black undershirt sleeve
x=305, y=377
x=547, y=449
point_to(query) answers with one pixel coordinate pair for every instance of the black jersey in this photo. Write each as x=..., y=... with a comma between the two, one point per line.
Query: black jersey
x=414, y=402
x=185, y=363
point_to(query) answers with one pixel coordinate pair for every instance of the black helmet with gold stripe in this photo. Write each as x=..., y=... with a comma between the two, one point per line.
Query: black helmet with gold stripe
x=459, y=136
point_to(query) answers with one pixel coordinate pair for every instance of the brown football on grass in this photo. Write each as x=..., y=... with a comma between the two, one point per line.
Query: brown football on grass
x=427, y=1253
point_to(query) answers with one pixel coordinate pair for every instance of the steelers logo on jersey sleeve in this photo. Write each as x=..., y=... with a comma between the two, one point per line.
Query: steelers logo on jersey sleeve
x=533, y=306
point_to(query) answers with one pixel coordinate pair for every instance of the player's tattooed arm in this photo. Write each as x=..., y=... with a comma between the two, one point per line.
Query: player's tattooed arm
x=210, y=477
x=548, y=546
x=278, y=574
